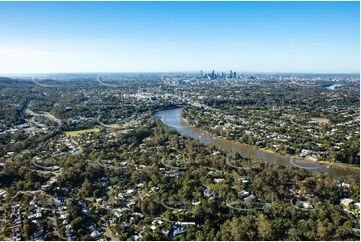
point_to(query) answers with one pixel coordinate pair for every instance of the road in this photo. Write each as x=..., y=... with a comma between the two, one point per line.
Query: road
x=43, y=114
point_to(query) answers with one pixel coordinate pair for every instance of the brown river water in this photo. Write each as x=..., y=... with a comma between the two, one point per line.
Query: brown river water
x=172, y=118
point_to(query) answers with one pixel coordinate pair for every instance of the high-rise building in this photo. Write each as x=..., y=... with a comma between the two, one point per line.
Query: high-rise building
x=230, y=74
x=212, y=76
x=234, y=75
x=201, y=74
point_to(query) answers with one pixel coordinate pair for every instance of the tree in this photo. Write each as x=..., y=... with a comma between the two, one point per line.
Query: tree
x=78, y=223
x=264, y=228
x=87, y=187
x=344, y=232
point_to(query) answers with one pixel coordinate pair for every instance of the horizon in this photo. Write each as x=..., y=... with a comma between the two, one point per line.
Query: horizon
x=239, y=73
x=179, y=37
x=204, y=71
x=28, y=75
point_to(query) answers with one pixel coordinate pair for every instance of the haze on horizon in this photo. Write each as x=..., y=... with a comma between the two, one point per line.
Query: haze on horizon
x=56, y=37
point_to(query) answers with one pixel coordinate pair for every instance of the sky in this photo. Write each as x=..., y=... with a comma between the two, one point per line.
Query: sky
x=57, y=37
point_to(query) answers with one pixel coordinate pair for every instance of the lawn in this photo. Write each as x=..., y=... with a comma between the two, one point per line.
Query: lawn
x=321, y=120
x=114, y=126
x=79, y=132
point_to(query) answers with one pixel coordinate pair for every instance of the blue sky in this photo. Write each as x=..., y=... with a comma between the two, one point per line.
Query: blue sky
x=179, y=36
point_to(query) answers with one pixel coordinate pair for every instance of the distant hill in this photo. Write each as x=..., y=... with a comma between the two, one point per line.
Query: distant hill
x=6, y=81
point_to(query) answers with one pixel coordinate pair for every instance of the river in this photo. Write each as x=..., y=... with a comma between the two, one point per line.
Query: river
x=332, y=87
x=172, y=118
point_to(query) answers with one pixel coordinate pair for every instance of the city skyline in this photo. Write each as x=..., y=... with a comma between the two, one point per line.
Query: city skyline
x=248, y=37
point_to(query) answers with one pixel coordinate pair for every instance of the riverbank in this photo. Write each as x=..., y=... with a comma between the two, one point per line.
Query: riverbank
x=270, y=151
x=312, y=160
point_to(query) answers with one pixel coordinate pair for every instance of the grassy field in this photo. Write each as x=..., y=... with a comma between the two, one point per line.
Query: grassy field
x=321, y=120
x=114, y=126
x=79, y=132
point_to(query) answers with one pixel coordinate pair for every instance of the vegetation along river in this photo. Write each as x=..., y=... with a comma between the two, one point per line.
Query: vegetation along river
x=172, y=118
